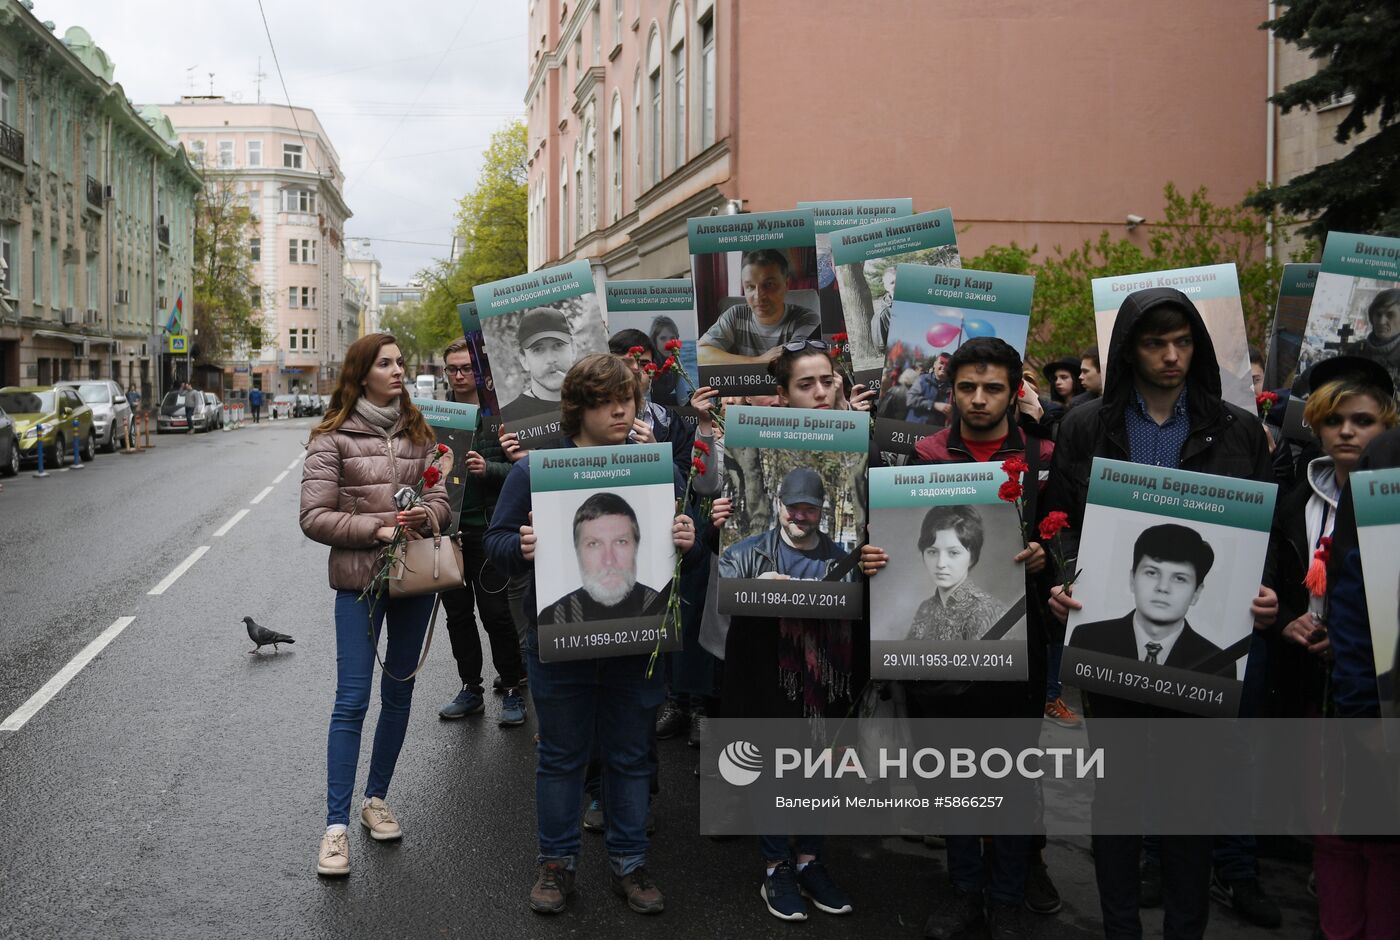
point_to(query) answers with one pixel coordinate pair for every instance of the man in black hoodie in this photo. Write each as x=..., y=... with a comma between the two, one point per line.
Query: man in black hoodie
x=1161, y=406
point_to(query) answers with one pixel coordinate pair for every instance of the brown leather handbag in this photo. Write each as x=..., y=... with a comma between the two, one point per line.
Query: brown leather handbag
x=427, y=565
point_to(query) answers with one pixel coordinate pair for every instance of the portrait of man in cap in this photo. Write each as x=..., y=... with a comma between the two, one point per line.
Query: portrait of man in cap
x=546, y=352
x=795, y=548
x=1169, y=567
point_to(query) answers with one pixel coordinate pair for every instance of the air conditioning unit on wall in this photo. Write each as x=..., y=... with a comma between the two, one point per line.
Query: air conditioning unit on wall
x=70, y=316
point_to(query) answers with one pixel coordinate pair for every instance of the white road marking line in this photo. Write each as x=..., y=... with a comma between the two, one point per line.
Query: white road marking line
x=293, y=464
x=75, y=665
x=262, y=496
x=223, y=529
x=280, y=477
x=180, y=569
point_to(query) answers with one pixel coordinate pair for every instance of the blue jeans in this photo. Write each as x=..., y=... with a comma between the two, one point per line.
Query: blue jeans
x=775, y=848
x=576, y=700
x=1003, y=874
x=355, y=665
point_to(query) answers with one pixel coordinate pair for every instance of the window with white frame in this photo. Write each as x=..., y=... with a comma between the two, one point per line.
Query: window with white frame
x=306, y=333
x=7, y=99
x=301, y=251
x=617, y=22
x=615, y=157
x=707, y=81
x=292, y=156
x=677, y=86
x=255, y=153
x=225, y=154
x=595, y=26
x=591, y=142
x=636, y=135
x=255, y=249
x=9, y=277
x=563, y=205
x=292, y=338
x=92, y=282
x=197, y=152
x=298, y=200
x=580, y=193
x=654, y=117
x=36, y=251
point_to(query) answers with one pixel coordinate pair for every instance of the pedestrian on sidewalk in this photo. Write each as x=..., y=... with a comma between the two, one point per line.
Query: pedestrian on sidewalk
x=372, y=442
x=255, y=404
x=486, y=469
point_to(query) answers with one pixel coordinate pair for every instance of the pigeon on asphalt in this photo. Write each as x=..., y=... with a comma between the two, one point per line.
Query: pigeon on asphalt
x=263, y=636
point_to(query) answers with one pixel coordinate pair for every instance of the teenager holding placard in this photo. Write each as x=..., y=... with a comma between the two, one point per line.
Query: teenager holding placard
x=614, y=699
x=1161, y=406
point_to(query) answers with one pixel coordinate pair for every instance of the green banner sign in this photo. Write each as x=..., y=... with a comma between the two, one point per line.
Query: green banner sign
x=467, y=314
x=895, y=236
x=1362, y=256
x=1182, y=494
x=538, y=287
x=448, y=414
x=1376, y=496
x=1299, y=280
x=957, y=484
x=592, y=468
x=797, y=429
x=792, y=229
x=1202, y=283
x=676, y=293
x=960, y=287
x=834, y=214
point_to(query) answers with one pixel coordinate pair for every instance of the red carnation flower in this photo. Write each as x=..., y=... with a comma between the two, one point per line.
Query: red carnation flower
x=650, y=368
x=443, y=448
x=635, y=351
x=1010, y=491
x=1013, y=467
x=698, y=465
x=701, y=447
x=833, y=352
x=431, y=477
x=1052, y=524
x=672, y=345
x=670, y=362
x=839, y=337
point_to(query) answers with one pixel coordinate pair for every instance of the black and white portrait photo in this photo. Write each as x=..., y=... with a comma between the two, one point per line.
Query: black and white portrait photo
x=532, y=349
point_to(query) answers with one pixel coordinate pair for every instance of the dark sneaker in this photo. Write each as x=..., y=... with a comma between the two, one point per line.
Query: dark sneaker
x=467, y=702
x=1041, y=894
x=955, y=916
x=553, y=885
x=1150, y=887
x=818, y=887
x=499, y=687
x=1247, y=899
x=782, y=895
x=1006, y=921
x=699, y=727
x=670, y=721
x=642, y=894
x=593, y=817
x=512, y=709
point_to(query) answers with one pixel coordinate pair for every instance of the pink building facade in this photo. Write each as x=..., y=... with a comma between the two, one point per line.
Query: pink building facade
x=1042, y=124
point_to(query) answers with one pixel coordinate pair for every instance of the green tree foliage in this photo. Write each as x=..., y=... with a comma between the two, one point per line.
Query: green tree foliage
x=224, y=312
x=492, y=226
x=408, y=322
x=1358, y=44
x=1193, y=231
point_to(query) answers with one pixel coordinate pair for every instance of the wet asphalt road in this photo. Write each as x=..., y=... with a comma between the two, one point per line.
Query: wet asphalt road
x=175, y=787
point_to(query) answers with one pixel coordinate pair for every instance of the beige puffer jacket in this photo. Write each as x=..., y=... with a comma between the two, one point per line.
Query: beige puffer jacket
x=347, y=493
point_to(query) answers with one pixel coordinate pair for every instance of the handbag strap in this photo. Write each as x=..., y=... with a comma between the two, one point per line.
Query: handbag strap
x=427, y=643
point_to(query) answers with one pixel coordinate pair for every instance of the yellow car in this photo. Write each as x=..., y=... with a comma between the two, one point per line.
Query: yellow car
x=55, y=409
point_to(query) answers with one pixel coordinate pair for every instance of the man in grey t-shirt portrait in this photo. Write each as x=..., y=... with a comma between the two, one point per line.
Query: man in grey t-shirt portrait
x=756, y=330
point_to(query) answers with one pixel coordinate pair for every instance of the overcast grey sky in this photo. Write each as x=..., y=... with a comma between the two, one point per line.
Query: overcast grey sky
x=409, y=91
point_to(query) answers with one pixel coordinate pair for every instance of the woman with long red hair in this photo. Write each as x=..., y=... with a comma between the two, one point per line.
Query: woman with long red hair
x=372, y=442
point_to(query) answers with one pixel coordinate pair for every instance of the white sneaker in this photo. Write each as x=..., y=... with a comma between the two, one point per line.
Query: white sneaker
x=380, y=822
x=334, y=857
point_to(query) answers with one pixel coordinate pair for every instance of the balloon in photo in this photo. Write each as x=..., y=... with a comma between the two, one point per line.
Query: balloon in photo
x=973, y=328
x=942, y=334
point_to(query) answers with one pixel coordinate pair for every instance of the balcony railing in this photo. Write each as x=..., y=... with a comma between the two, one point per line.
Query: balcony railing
x=163, y=233
x=11, y=143
x=94, y=193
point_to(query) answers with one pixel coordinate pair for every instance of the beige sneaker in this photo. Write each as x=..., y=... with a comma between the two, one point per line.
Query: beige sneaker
x=380, y=822
x=334, y=858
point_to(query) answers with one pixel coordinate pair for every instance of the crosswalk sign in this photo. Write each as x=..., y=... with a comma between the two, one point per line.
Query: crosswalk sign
x=179, y=343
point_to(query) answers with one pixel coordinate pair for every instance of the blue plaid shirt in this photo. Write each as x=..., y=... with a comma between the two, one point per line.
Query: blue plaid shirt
x=1153, y=443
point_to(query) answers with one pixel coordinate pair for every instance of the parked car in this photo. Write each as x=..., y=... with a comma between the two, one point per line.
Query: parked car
x=9, y=446
x=217, y=407
x=55, y=409
x=309, y=404
x=111, y=414
x=325, y=403
x=284, y=406
x=175, y=412
x=424, y=385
